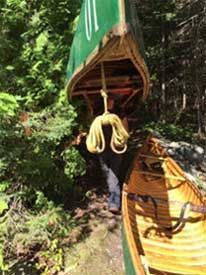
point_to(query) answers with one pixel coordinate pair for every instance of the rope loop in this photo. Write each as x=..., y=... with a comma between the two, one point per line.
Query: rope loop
x=95, y=140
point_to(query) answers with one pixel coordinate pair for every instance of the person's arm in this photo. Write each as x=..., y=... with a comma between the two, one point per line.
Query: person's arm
x=78, y=139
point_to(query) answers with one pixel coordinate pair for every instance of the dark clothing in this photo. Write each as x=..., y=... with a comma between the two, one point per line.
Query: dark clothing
x=110, y=163
x=107, y=131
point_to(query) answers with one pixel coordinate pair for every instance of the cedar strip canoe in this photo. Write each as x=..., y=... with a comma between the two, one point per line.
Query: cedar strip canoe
x=164, y=223
x=108, y=34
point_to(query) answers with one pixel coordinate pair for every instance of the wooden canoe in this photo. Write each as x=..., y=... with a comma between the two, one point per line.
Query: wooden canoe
x=164, y=223
x=108, y=36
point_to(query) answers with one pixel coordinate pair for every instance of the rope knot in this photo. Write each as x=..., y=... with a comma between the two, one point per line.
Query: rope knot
x=104, y=93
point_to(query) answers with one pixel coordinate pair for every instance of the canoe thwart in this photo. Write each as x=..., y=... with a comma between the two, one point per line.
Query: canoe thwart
x=147, y=198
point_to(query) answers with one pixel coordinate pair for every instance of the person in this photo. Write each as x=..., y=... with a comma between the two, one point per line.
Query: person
x=110, y=162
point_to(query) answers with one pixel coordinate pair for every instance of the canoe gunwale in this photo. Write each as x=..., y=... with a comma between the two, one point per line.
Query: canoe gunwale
x=82, y=70
x=136, y=259
x=106, y=42
x=119, y=35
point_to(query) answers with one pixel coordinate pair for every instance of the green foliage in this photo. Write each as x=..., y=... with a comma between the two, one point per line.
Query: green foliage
x=3, y=266
x=8, y=104
x=34, y=46
x=23, y=232
x=3, y=166
x=170, y=16
x=3, y=205
x=4, y=185
x=50, y=222
x=36, y=131
x=174, y=35
x=41, y=161
x=171, y=131
x=75, y=165
x=51, y=260
x=3, y=224
x=41, y=202
x=53, y=124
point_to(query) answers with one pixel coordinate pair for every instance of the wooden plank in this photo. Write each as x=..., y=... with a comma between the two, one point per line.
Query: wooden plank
x=123, y=90
x=162, y=175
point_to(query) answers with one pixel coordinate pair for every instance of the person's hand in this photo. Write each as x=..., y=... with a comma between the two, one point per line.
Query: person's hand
x=78, y=139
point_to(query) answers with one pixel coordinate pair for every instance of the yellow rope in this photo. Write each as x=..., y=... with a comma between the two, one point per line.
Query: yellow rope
x=105, y=97
x=95, y=140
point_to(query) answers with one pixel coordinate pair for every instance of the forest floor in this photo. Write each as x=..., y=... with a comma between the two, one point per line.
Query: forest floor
x=97, y=245
x=94, y=245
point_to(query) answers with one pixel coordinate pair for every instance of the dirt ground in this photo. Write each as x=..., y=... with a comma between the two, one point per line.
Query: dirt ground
x=97, y=242
x=100, y=254
x=97, y=245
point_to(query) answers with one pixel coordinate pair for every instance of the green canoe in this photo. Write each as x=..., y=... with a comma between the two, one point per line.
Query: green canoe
x=108, y=49
x=108, y=36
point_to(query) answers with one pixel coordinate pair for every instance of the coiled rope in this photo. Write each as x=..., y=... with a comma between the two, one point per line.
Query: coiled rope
x=95, y=140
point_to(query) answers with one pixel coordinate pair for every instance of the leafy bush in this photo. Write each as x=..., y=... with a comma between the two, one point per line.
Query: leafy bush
x=37, y=172
x=171, y=131
x=37, y=162
x=26, y=234
x=8, y=105
x=51, y=260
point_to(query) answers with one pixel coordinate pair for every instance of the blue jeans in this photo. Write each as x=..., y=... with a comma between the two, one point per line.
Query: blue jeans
x=110, y=163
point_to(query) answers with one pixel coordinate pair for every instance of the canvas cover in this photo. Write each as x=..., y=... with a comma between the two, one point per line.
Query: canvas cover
x=97, y=18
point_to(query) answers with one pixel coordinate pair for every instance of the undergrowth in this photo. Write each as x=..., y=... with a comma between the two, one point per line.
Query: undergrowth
x=170, y=131
x=38, y=168
x=33, y=234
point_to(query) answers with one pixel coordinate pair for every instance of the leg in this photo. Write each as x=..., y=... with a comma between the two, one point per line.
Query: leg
x=110, y=163
x=114, y=189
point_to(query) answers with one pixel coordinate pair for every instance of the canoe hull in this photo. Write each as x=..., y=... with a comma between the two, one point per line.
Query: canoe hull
x=129, y=266
x=165, y=224
x=120, y=50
